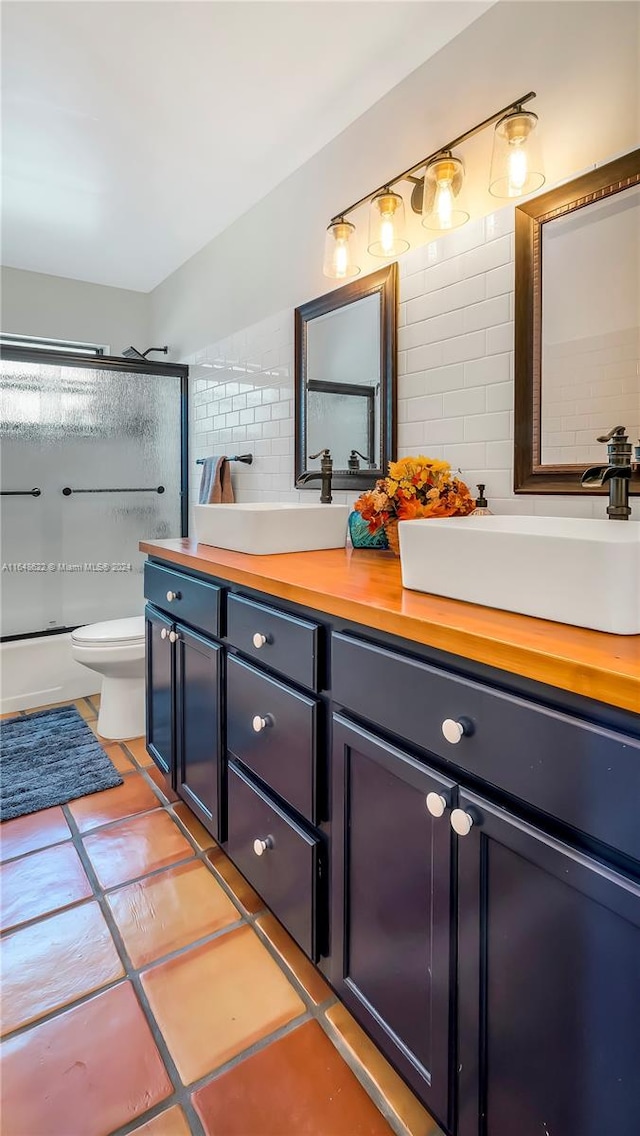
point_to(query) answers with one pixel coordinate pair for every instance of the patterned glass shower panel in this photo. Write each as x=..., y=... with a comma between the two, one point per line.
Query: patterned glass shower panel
x=84, y=429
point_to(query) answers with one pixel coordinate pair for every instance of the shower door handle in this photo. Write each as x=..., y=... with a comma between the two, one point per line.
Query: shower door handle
x=21, y=493
x=67, y=491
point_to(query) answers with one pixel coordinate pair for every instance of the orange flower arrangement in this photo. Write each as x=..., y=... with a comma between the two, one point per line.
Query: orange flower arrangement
x=414, y=487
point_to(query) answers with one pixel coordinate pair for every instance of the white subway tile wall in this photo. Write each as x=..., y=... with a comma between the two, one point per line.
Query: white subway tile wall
x=455, y=379
x=588, y=386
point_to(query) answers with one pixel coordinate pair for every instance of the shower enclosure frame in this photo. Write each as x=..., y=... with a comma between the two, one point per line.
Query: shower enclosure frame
x=51, y=357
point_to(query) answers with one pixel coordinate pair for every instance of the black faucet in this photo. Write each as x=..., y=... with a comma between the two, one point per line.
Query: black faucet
x=617, y=473
x=325, y=474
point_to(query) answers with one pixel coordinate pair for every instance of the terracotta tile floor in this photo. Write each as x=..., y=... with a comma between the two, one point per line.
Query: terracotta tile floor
x=146, y=990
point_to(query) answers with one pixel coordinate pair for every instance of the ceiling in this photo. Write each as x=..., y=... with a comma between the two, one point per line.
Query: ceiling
x=134, y=132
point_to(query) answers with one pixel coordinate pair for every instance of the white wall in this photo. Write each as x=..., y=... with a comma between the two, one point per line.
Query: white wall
x=54, y=307
x=455, y=378
x=581, y=58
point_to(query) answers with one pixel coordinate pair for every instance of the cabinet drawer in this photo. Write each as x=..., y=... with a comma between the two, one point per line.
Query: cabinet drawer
x=272, y=729
x=283, y=642
x=287, y=872
x=584, y=775
x=196, y=602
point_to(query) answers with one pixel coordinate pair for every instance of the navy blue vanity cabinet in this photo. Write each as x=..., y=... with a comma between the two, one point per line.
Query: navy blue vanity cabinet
x=456, y=847
x=392, y=913
x=189, y=599
x=160, y=666
x=184, y=680
x=276, y=750
x=273, y=731
x=548, y=984
x=198, y=749
x=284, y=860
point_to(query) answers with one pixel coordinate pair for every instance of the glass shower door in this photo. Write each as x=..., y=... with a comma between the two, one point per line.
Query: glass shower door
x=104, y=447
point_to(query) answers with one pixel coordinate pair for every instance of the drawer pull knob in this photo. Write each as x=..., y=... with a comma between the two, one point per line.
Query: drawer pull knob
x=164, y=633
x=461, y=822
x=260, y=846
x=259, y=723
x=436, y=804
x=454, y=731
x=173, y=636
x=259, y=640
x=171, y=596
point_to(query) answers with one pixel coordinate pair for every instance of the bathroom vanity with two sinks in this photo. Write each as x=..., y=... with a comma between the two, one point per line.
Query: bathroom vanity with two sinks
x=439, y=801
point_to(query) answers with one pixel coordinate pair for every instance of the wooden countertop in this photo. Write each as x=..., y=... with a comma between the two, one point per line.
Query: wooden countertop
x=365, y=587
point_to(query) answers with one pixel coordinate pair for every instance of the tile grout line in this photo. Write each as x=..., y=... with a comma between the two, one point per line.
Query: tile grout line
x=32, y=851
x=161, y=959
x=316, y=1012
x=365, y=1079
x=309, y=1010
x=179, y=1094
x=132, y=973
x=182, y=1094
x=28, y=923
x=106, y=890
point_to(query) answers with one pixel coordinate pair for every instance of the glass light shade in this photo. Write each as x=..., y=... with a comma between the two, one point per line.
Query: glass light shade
x=338, y=263
x=516, y=162
x=387, y=225
x=443, y=180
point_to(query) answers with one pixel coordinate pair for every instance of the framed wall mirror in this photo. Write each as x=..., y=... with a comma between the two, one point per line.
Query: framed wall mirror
x=345, y=380
x=577, y=326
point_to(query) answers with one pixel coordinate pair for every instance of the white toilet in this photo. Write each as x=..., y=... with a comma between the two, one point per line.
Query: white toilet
x=115, y=650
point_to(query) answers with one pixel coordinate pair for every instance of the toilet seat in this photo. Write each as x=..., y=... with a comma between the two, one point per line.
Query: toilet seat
x=112, y=633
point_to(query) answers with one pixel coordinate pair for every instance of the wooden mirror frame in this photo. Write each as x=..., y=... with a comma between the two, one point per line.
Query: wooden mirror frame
x=385, y=281
x=530, y=475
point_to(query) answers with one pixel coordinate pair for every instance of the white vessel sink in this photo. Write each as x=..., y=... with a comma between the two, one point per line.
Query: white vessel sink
x=583, y=572
x=270, y=527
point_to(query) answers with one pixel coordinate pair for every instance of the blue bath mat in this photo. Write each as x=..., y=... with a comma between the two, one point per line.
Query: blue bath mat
x=49, y=758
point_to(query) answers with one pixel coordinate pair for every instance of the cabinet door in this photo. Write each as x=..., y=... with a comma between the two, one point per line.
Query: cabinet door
x=549, y=985
x=198, y=733
x=159, y=681
x=391, y=906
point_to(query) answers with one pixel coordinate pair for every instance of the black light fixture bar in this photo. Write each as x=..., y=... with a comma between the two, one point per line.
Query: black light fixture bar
x=407, y=175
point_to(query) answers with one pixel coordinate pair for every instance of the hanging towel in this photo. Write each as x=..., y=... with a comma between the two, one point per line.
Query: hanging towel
x=215, y=484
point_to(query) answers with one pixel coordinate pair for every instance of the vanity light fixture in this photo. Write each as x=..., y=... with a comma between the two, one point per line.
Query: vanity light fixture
x=516, y=165
x=386, y=225
x=443, y=180
x=516, y=169
x=338, y=262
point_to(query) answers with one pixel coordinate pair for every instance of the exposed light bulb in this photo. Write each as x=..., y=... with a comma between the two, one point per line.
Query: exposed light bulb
x=340, y=259
x=337, y=255
x=442, y=183
x=386, y=224
x=387, y=235
x=443, y=204
x=516, y=161
x=518, y=168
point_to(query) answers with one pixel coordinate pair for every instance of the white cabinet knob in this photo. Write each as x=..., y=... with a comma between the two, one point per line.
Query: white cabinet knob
x=173, y=636
x=461, y=822
x=259, y=723
x=164, y=633
x=262, y=845
x=171, y=596
x=259, y=640
x=453, y=731
x=436, y=804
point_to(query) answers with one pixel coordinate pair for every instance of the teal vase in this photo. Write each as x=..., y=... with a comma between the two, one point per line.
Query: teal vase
x=360, y=535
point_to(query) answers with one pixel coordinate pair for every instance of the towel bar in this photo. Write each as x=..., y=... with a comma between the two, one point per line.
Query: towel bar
x=246, y=458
